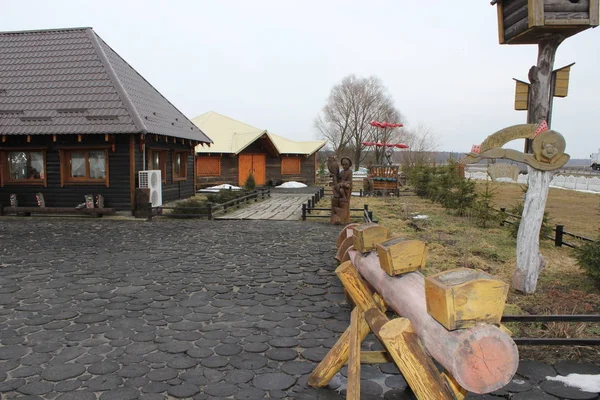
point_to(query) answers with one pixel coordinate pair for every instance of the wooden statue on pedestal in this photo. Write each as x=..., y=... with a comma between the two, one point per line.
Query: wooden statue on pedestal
x=342, y=189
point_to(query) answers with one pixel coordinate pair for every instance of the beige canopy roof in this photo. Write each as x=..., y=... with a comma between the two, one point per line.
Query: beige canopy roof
x=232, y=136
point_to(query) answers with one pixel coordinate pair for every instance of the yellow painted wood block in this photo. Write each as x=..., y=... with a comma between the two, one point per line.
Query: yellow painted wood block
x=366, y=236
x=399, y=256
x=463, y=297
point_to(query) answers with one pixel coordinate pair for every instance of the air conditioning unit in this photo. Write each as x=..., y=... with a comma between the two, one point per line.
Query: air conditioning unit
x=152, y=180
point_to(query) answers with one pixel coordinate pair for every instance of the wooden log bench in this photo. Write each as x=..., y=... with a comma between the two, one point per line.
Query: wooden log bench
x=99, y=212
x=89, y=208
x=476, y=354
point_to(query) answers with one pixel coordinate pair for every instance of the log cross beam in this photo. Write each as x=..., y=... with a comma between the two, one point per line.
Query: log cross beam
x=397, y=336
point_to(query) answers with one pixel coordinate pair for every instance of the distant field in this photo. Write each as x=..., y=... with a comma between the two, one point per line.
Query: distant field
x=578, y=212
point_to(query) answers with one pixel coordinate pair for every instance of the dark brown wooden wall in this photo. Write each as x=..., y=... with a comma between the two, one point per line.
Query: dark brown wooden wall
x=229, y=169
x=117, y=195
x=171, y=190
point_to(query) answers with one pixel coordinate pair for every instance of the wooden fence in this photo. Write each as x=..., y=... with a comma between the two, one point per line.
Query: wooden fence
x=559, y=230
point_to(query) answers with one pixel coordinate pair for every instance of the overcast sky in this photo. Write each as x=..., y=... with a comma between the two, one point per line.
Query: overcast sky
x=272, y=63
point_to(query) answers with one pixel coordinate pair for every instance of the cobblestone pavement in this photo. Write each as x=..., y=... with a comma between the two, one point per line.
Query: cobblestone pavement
x=97, y=309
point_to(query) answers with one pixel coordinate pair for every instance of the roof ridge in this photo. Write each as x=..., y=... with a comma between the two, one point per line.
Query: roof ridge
x=114, y=78
x=47, y=30
x=233, y=119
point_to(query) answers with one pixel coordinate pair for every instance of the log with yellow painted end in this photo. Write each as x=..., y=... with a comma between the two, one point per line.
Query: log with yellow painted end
x=463, y=297
x=398, y=255
x=366, y=236
x=481, y=359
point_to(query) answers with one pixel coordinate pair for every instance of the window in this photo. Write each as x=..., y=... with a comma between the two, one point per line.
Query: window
x=290, y=166
x=179, y=166
x=85, y=166
x=25, y=167
x=208, y=166
x=157, y=159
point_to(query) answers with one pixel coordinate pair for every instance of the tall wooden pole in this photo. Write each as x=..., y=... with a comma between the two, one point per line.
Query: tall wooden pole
x=529, y=259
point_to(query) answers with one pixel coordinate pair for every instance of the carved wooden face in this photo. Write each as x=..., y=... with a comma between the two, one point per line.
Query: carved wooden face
x=548, y=146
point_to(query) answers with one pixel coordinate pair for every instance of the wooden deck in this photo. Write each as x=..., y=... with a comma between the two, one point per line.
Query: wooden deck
x=279, y=207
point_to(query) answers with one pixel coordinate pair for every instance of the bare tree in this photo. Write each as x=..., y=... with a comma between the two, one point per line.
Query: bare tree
x=351, y=106
x=334, y=122
x=422, y=143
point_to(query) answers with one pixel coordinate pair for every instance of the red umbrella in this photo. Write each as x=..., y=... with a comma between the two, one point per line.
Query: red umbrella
x=401, y=146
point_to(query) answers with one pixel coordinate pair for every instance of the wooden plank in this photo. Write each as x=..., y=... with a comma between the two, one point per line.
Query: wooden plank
x=131, y=171
x=575, y=17
x=375, y=357
x=567, y=22
x=566, y=6
x=515, y=17
x=336, y=357
x=594, y=12
x=499, y=12
x=516, y=29
x=510, y=6
x=353, y=387
x=536, y=12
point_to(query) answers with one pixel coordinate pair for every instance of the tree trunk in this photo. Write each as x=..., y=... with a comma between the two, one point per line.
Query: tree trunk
x=529, y=259
x=481, y=359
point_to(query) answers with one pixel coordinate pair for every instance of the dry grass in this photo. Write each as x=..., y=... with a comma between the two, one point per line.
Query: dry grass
x=455, y=242
x=577, y=211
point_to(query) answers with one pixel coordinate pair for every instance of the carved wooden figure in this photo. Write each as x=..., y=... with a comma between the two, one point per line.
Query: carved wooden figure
x=342, y=189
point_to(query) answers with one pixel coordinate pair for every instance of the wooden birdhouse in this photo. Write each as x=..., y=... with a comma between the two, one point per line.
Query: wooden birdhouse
x=521, y=95
x=527, y=21
x=462, y=297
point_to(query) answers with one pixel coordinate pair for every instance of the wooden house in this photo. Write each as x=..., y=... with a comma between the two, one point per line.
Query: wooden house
x=240, y=149
x=527, y=21
x=77, y=119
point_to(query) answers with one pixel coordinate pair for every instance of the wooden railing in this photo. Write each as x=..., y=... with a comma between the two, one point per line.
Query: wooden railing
x=211, y=209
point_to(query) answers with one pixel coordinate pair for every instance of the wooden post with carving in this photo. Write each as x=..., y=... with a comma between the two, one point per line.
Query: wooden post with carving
x=546, y=23
x=341, y=188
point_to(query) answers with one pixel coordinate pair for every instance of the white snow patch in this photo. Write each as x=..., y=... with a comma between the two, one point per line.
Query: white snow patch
x=291, y=184
x=587, y=383
x=215, y=189
x=420, y=217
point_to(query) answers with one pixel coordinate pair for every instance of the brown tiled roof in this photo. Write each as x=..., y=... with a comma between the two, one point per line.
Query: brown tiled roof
x=69, y=81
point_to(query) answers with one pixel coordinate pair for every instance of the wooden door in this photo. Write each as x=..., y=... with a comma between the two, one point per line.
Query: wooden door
x=244, y=168
x=255, y=163
x=259, y=169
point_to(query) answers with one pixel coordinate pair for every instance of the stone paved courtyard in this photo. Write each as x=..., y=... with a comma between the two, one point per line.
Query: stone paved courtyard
x=100, y=309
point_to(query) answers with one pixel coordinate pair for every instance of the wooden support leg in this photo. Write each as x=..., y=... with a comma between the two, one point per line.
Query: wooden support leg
x=339, y=353
x=337, y=357
x=403, y=345
x=353, y=388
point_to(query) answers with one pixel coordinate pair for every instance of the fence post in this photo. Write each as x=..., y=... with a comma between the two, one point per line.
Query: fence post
x=303, y=212
x=558, y=238
x=209, y=209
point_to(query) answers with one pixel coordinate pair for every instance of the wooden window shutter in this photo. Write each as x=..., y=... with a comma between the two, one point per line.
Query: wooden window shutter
x=208, y=166
x=290, y=166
